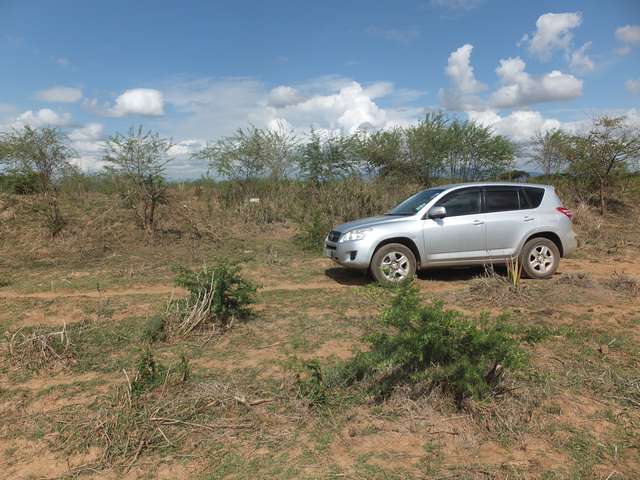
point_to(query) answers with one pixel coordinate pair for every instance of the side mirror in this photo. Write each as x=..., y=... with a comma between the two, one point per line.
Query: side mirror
x=437, y=212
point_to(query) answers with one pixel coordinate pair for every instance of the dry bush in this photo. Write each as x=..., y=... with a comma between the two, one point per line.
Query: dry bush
x=156, y=410
x=622, y=283
x=40, y=349
x=498, y=288
x=576, y=279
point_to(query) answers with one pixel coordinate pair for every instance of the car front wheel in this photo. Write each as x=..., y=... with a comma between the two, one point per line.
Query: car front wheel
x=393, y=264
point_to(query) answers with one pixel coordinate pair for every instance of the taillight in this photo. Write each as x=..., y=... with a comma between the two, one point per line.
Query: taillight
x=565, y=211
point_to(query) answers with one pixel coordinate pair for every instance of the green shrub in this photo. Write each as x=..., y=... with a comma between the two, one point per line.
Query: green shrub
x=148, y=374
x=417, y=343
x=218, y=296
x=20, y=182
x=312, y=230
x=154, y=329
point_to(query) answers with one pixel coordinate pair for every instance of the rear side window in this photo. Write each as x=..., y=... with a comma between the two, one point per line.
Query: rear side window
x=533, y=197
x=501, y=199
x=461, y=202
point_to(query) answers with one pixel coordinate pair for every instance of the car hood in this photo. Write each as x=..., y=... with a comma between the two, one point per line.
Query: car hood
x=369, y=222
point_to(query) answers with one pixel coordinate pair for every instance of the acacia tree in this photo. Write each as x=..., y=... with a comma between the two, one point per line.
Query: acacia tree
x=603, y=155
x=44, y=153
x=252, y=153
x=328, y=157
x=474, y=152
x=383, y=151
x=547, y=151
x=138, y=163
x=427, y=147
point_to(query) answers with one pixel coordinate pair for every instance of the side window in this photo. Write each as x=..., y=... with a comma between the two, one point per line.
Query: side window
x=501, y=199
x=462, y=202
x=534, y=195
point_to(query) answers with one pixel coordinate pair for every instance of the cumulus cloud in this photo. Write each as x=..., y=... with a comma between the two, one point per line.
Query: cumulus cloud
x=215, y=107
x=460, y=71
x=186, y=148
x=632, y=86
x=462, y=95
x=519, y=125
x=580, y=61
x=629, y=35
x=519, y=88
x=41, y=118
x=139, y=101
x=88, y=142
x=60, y=94
x=283, y=96
x=553, y=32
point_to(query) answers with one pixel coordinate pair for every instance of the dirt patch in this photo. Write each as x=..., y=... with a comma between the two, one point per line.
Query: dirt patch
x=23, y=458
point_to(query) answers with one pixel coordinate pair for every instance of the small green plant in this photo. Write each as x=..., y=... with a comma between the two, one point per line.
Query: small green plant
x=312, y=230
x=218, y=296
x=148, y=373
x=311, y=382
x=417, y=343
x=154, y=329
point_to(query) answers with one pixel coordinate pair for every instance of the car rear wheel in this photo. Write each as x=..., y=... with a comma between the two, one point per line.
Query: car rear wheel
x=540, y=258
x=393, y=264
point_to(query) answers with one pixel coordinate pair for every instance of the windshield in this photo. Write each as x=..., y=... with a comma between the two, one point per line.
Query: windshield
x=414, y=204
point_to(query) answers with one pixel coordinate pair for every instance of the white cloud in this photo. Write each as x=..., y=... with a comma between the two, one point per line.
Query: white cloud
x=632, y=86
x=629, y=34
x=519, y=88
x=519, y=125
x=284, y=96
x=553, y=32
x=186, y=148
x=462, y=95
x=580, y=61
x=63, y=61
x=215, y=107
x=460, y=71
x=139, y=101
x=88, y=142
x=60, y=94
x=41, y=118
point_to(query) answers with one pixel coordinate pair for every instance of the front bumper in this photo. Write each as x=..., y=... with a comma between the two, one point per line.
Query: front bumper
x=348, y=254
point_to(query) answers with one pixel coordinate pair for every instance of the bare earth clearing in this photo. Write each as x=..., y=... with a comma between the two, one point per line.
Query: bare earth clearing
x=574, y=413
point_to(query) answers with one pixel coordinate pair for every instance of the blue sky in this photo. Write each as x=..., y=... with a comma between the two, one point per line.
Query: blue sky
x=198, y=70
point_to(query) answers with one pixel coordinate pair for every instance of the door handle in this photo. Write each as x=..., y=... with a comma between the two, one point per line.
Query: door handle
x=528, y=218
x=478, y=222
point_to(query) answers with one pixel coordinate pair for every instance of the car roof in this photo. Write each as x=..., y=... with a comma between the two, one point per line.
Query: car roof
x=491, y=184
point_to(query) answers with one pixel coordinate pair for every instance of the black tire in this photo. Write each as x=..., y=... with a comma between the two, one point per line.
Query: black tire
x=393, y=255
x=540, y=258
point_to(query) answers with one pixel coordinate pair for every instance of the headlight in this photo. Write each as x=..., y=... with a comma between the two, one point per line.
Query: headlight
x=357, y=234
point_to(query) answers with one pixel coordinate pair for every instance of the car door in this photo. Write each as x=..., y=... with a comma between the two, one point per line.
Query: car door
x=506, y=222
x=460, y=236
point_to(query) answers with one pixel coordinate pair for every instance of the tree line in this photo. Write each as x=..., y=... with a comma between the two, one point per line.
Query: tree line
x=438, y=148
x=594, y=161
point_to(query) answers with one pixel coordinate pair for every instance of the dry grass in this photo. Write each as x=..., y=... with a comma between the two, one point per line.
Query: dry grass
x=622, y=283
x=40, y=349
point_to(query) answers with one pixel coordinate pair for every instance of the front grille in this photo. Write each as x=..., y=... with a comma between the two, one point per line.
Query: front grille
x=333, y=236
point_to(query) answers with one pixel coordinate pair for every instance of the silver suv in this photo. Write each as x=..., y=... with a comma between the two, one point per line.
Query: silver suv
x=464, y=224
